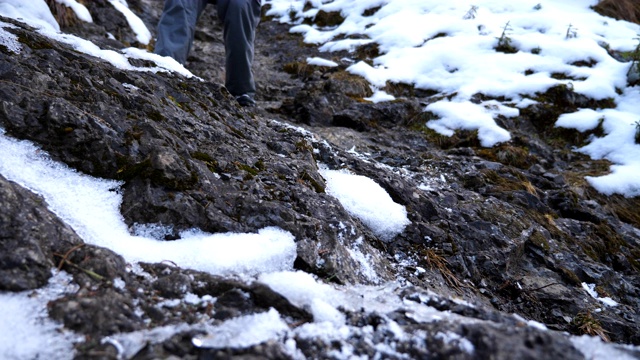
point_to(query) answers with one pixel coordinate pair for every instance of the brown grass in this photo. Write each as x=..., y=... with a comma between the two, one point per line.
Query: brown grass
x=437, y=261
x=589, y=325
x=64, y=15
x=628, y=10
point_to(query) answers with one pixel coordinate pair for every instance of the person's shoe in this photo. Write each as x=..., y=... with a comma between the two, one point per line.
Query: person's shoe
x=245, y=100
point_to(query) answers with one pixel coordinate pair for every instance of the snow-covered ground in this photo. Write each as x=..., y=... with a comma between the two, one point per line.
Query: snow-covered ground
x=462, y=63
x=449, y=46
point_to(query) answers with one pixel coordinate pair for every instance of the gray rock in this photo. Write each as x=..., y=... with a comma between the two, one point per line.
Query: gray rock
x=510, y=230
x=32, y=239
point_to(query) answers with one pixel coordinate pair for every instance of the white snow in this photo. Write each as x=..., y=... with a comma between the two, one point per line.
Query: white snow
x=244, y=331
x=442, y=46
x=139, y=28
x=79, y=9
x=593, y=348
x=321, y=62
x=303, y=290
x=449, y=47
x=468, y=116
x=26, y=332
x=91, y=207
x=365, y=199
x=9, y=40
x=591, y=290
x=363, y=260
x=34, y=12
x=37, y=14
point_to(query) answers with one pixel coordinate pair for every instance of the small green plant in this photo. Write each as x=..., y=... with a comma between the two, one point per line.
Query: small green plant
x=504, y=41
x=572, y=32
x=471, y=14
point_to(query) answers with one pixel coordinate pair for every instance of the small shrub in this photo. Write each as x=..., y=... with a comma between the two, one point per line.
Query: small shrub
x=572, y=32
x=504, y=41
x=471, y=14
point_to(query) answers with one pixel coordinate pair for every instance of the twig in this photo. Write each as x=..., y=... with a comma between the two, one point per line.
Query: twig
x=64, y=260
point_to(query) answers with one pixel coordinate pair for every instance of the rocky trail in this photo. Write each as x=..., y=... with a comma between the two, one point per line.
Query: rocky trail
x=502, y=247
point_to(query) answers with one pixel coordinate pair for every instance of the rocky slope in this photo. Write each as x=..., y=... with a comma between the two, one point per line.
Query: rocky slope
x=509, y=229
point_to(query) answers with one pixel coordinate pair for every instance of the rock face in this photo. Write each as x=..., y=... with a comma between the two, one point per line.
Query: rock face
x=30, y=235
x=511, y=229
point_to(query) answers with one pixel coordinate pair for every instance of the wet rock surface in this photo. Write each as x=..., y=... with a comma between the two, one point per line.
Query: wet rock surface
x=513, y=229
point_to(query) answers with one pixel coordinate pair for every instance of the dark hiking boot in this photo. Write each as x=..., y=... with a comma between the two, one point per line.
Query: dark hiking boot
x=245, y=100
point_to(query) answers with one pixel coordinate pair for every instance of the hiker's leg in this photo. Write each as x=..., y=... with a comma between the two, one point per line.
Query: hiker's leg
x=240, y=19
x=177, y=27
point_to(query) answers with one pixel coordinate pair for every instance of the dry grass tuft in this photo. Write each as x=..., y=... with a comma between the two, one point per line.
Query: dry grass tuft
x=589, y=325
x=628, y=10
x=437, y=261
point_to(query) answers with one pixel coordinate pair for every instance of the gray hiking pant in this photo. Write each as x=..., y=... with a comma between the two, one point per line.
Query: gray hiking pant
x=239, y=18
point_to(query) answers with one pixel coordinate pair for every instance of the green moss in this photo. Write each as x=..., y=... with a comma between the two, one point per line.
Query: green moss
x=508, y=155
x=128, y=170
x=538, y=239
x=602, y=243
x=304, y=146
x=199, y=155
x=174, y=101
x=209, y=161
x=260, y=165
x=251, y=171
x=318, y=187
x=236, y=132
x=155, y=115
x=570, y=276
x=133, y=134
x=590, y=252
